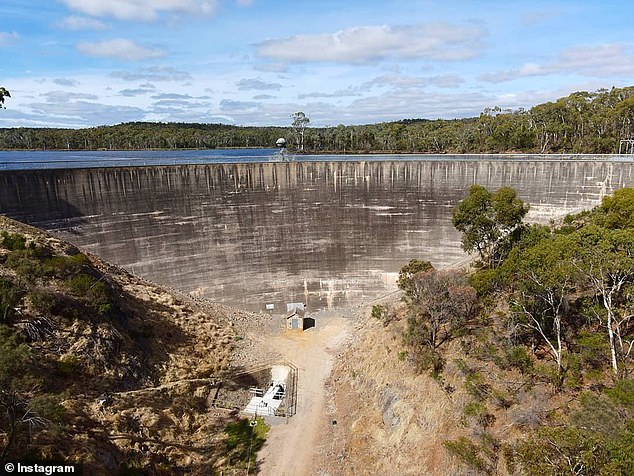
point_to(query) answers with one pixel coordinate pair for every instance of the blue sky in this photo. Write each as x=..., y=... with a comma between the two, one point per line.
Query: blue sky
x=80, y=63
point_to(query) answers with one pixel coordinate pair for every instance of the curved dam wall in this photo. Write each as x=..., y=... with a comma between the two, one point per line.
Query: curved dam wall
x=252, y=234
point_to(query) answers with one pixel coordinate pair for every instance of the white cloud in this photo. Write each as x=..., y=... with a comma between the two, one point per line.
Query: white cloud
x=145, y=10
x=57, y=97
x=395, y=105
x=271, y=68
x=406, y=82
x=232, y=105
x=435, y=41
x=257, y=84
x=119, y=48
x=6, y=37
x=140, y=91
x=72, y=83
x=81, y=23
x=154, y=73
x=605, y=60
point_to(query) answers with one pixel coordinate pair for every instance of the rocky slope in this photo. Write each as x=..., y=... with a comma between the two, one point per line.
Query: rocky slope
x=103, y=368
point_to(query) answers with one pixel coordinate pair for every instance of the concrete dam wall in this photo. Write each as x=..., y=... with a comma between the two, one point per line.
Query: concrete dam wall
x=252, y=234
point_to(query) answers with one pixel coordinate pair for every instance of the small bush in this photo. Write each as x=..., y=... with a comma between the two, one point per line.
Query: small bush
x=407, y=273
x=477, y=412
x=378, y=311
x=517, y=357
x=28, y=268
x=592, y=350
x=469, y=454
x=476, y=386
x=245, y=439
x=91, y=289
x=12, y=241
x=14, y=357
x=623, y=393
x=68, y=366
x=559, y=451
x=502, y=399
x=64, y=266
x=47, y=406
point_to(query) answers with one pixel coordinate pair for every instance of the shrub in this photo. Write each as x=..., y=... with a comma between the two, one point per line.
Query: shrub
x=93, y=290
x=592, y=349
x=597, y=413
x=14, y=357
x=13, y=241
x=245, y=439
x=561, y=451
x=47, y=406
x=478, y=412
x=621, y=454
x=27, y=268
x=407, y=273
x=68, y=366
x=378, y=311
x=64, y=266
x=517, y=357
x=481, y=458
x=476, y=386
x=623, y=393
x=10, y=296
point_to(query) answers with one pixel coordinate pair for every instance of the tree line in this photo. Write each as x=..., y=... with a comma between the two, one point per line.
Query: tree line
x=583, y=122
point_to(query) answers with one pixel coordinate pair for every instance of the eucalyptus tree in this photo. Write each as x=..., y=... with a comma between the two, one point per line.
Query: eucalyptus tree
x=4, y=93
x=441, y=303
x=542, y=277
x=487, y=219
x=299, y=124
x=606, y=259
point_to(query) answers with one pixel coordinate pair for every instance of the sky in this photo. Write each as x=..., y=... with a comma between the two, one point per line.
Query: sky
x=83, y=63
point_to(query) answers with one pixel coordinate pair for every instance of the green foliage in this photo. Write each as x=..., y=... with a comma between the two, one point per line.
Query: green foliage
x=597, y=413
x=12, y=241
x=478, y=412
x=62, y=266
x=617, y=210
x=476, y=385
x=623, y=394
x=406, y=275
x=487, y=221
x=378, y=311
x=481, y=458
x=14, y=357
x=561, y=451
x=10, y=296
x=468, y=453
x=69, y=366
x=517, y=357
x=94, y=290
x=48, y=406
x=621, y=451
x=592, y=350
x=244, y=440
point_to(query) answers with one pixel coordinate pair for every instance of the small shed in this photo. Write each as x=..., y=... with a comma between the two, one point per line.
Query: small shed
x=299, y=321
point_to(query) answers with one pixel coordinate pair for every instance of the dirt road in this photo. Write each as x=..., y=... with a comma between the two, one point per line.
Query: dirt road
x=290, y=448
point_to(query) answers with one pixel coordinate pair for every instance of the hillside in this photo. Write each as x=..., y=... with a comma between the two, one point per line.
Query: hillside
x=522, y=367
x=100, y=367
